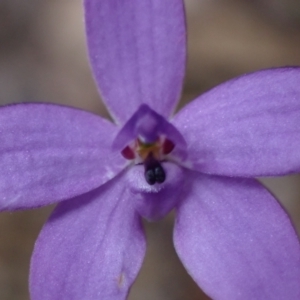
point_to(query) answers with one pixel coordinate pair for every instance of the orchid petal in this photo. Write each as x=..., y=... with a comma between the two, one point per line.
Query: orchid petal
x=50, y=153
x=248, y=126
x=236, y=241
x=92, y=247
x=137, y=52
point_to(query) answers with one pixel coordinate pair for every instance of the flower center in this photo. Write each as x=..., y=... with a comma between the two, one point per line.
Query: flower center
x=150, y=154
x=148, y=138
x=154, y=172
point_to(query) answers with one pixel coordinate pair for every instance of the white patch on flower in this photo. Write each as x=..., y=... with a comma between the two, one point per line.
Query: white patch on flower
x=121, y=280
x=109, y=173
x=10, y=202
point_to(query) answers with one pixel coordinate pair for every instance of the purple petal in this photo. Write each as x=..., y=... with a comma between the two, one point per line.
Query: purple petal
x=137, y=51
x=249, y=126
x=50, y=153
x=236, y=241
x=92, y=247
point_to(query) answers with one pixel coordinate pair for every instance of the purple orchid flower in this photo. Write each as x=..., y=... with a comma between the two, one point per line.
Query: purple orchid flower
x=231, y=234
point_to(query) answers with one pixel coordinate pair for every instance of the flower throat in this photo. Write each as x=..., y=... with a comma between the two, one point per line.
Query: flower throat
x=150, y=154
x=148, y=138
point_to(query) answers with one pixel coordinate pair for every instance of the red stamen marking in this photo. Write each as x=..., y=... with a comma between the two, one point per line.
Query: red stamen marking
x=128, y=153
x=168, y=146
